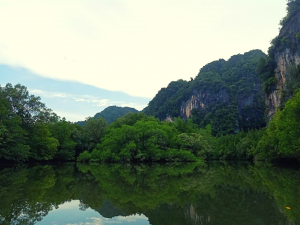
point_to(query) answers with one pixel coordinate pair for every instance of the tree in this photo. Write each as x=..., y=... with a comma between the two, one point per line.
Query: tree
x=196, y=144
x=95, y=129
x=282, y=138
x=43, y=146
x=62, y=132
x=27, y=107
x=289, y=128
x=12, y=137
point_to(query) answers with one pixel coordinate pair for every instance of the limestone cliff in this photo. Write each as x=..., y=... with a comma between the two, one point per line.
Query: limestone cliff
x=206, y=100
x=203, y=100
x=225, y=94
x=285, y=55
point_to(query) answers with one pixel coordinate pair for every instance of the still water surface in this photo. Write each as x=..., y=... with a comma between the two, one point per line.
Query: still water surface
x=177, y=194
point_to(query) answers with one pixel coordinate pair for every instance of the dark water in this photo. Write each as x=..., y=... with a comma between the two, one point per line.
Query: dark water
x=215, y=193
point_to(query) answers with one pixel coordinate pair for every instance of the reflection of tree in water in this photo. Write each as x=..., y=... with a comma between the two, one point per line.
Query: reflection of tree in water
x=166, y=194
x=26, y=193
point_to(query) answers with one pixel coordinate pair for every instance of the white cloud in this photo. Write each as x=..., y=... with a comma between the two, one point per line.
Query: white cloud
x=48, y=94
x=59, y=95
x=96, y=101
x=79, y=100
x=102, y=102
x=132, y=46
x=93, y=101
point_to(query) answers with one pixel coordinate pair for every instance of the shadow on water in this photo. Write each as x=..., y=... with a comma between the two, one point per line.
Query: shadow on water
x=183, y=193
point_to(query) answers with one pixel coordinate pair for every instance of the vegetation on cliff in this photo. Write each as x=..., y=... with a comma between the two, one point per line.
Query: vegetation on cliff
x=288, y=40
x=233, y=102
x=293, y=7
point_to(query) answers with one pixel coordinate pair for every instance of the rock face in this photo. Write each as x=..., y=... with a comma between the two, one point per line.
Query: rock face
x=206, y=100
x=202, y=100
x=284, y=57
x=283, y=61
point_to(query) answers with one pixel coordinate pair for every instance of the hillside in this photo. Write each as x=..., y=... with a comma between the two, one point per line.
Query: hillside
x=111, y=113
x=225, y=94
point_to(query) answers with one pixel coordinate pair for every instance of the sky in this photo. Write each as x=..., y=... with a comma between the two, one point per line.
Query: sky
x=134, y=47
x=73, y=100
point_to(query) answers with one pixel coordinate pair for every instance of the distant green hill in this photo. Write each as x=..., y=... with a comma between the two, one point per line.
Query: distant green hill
x=111, y=113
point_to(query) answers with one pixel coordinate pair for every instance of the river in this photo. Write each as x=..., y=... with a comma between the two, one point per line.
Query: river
x=169, y=194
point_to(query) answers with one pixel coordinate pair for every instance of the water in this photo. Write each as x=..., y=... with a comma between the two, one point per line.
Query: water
x=214, y=193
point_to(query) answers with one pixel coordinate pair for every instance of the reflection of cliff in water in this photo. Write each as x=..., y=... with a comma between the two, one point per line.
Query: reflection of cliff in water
x=227, y=207
x=167, y=194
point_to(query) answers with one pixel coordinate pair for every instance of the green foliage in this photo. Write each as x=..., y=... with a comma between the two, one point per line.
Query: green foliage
x=27, y=107
x=224, y=120
x=166, y=101
x=292, y=82
x=223, y=88
x=136, y=137
x=269, y=85
x=24, y=130
x=84, y=157
x=292, y=8
x=29, y=130
x=145, y=140
x=80, y=137
x=282, y=138
x=181, y=193
x=130, y=119
x=111, y=113
x=95, y=129
x=297, y=35
x=241, y=146
x=288, y=39
x=265, y=70
x=61, y=131
x=289, y=36
x=42, y=145
x=13, y=138
x=184, y=126
x=196, y=144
